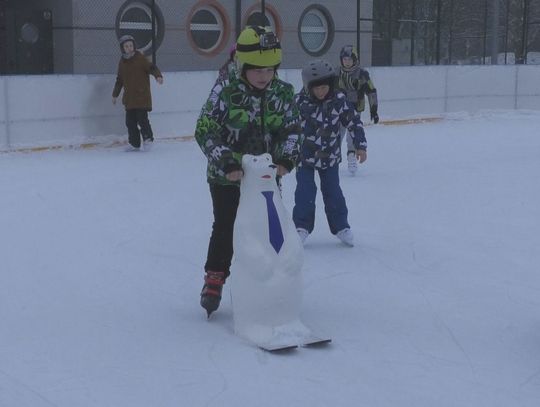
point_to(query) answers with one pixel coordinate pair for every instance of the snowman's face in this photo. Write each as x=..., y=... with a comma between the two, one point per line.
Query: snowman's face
x=258, y=169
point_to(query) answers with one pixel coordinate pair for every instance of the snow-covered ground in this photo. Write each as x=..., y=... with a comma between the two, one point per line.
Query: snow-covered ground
x=438, y=304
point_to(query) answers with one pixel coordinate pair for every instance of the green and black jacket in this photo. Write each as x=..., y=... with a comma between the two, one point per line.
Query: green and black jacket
x=238, y=120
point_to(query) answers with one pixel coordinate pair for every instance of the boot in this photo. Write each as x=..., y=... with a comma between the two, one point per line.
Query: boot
x=211, y=291
x=147, y=144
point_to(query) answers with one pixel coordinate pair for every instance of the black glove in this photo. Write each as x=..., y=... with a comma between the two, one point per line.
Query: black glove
x=374, y=115
x=231, y=167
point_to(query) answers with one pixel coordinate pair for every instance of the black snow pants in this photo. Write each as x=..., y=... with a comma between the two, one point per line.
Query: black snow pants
x=225, y=200
x=136, y=118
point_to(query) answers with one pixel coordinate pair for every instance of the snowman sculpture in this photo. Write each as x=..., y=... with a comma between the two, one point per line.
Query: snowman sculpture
x=266, y=277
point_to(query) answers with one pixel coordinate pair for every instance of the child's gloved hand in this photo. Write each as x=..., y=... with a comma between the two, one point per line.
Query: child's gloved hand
x=281, y=170
x=374, y=115
x=361, y=155
x=235, y=175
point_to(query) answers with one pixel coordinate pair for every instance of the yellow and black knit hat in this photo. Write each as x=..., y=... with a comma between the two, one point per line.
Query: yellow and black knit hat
x=259, y=47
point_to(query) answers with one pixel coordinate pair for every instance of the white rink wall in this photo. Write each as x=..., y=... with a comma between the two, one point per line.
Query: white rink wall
x=75, y=110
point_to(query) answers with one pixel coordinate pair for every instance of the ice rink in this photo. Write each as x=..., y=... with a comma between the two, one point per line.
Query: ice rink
x=438, y=304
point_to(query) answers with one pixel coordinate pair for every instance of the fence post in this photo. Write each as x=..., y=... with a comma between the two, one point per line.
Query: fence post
x=484, y=45
x=238, y=18
x=390, y=32
x=153, y=32
x=413, y=30
x=451, y=32
x=358, y=27
x=495, y=33
x=525, y=31
x=506, y=32
x=438, y=40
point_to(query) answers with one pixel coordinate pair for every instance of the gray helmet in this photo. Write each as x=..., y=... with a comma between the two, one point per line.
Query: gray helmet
x=126, y=38
x=349, y=51
x=318, y=71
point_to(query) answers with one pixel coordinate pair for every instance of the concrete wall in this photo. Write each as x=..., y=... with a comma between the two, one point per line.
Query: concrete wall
x=77, y=109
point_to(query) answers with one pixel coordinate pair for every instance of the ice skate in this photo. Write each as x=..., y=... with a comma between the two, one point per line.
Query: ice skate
x=303, y=234
x=130, y=148
x=211, y=291
x=346, y=236
x=147, y=144
x=352, y=162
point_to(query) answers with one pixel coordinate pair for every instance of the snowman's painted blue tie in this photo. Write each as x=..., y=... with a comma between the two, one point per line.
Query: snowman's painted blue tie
x=274, y=227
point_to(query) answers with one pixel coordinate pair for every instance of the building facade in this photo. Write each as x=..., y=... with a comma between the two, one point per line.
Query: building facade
x=81, y=36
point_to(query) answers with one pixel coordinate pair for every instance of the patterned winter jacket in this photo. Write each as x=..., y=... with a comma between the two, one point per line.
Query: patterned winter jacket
x=356, y=84
x=227, y=74
x=320, y=120
x=238, y=120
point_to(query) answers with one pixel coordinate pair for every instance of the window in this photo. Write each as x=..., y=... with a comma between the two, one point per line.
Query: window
x=135, y=18
x=316, y=30
x=208, y=27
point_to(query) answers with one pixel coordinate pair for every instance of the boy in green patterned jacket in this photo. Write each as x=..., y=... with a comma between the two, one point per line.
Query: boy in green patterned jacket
x=254, y=113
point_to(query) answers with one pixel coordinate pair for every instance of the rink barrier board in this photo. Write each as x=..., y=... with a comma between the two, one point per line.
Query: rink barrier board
x=87, y=146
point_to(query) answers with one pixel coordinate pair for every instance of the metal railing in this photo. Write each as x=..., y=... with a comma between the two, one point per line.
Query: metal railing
x=425, y=32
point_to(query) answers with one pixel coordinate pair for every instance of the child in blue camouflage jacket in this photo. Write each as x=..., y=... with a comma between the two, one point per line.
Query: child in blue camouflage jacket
x=322, y=111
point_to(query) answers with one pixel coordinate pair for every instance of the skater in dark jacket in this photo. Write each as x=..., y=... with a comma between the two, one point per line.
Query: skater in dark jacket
x=323, y=110
x=133, y=76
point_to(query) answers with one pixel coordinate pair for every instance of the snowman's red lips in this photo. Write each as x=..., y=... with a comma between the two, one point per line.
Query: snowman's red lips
x=266, y=176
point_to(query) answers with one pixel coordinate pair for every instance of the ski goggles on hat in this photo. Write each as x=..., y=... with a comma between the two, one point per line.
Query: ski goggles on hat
x=267, y=41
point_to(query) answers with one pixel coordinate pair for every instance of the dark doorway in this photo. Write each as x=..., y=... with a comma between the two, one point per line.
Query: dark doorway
x=29, y=41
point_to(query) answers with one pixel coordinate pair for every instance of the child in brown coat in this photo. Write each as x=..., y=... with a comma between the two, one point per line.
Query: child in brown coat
x=134, y=72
